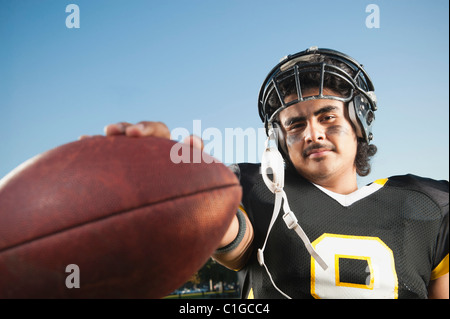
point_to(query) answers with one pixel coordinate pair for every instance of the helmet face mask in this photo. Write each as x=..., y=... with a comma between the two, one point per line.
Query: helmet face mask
x=319, y=69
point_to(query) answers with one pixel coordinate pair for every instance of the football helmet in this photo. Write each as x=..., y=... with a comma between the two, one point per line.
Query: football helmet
x=319, y=68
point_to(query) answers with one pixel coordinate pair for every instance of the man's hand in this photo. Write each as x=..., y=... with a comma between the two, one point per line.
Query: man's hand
x=140, y=129
x=146, y=128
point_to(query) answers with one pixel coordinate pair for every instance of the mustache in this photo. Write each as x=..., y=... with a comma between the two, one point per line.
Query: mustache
x=315, y=146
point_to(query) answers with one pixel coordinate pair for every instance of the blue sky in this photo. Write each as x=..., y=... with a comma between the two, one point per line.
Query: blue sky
x=182, y=60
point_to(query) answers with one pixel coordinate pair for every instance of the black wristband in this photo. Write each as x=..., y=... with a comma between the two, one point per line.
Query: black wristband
x=239, y=237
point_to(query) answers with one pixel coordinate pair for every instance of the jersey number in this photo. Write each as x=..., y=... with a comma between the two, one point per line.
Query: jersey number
x=340, y=251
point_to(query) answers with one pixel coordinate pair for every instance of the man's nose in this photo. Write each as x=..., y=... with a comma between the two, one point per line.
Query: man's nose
x=314, y=132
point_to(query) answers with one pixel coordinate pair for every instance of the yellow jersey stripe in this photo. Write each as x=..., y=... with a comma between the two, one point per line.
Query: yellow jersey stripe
x=441, y=269
x=381, y=181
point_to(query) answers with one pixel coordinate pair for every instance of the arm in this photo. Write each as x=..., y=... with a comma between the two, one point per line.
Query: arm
x=236, y=245
x=438, y=288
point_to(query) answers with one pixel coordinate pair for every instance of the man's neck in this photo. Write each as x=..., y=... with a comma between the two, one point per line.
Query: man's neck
x=342, y=184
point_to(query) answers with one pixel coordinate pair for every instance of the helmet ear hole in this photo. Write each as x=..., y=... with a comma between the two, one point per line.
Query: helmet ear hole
x=354, y=118
x=362, y=116
x=281, y=141
x=370, y=118
x=281, y=144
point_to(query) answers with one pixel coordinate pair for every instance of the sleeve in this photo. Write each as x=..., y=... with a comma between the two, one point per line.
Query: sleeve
x=438, y=191
x=440, y=264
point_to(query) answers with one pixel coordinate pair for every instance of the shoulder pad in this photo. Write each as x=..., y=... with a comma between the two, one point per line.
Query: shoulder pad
x=437, y=190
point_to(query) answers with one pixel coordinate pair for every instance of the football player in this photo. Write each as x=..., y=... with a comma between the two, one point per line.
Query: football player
x=304, y=229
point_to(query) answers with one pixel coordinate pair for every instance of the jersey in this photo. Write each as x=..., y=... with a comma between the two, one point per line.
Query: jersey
x=388, y=241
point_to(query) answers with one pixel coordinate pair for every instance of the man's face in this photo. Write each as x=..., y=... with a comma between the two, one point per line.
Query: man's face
x=320, y=139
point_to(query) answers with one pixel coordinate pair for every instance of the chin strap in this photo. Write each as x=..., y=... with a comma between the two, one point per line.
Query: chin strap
x=272, y=162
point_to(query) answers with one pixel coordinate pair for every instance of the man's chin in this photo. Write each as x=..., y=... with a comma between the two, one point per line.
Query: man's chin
x=315, y=175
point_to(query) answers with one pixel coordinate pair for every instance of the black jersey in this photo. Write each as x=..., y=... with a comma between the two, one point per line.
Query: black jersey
x=387, y=242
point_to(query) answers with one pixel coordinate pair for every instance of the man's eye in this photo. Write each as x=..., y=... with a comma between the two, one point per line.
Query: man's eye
x=296, y=126
x=328, y=118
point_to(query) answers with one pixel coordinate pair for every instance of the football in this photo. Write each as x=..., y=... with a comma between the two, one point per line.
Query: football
x=111, y=217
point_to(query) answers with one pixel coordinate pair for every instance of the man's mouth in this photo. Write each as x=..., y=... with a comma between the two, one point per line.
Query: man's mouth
x=315, y=151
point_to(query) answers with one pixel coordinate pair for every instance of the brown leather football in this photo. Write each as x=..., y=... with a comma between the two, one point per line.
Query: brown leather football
x=114, y=216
